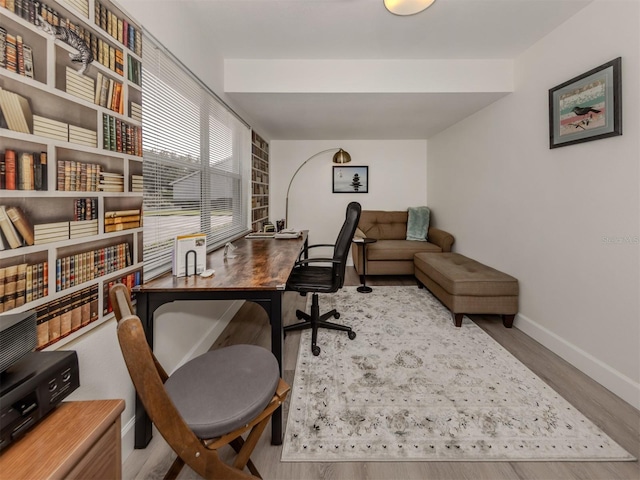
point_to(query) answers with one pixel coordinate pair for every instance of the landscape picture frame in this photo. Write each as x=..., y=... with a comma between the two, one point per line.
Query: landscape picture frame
x=350, y=179
x=587, y=107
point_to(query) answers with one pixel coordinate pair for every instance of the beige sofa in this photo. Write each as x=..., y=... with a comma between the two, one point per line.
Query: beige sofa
x=392, y=254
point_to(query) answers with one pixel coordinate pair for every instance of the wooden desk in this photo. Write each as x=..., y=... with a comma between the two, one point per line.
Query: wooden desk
x=76, y=440
x=257, y=273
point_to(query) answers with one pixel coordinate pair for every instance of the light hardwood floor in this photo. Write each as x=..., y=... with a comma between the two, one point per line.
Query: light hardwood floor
x=616, y=417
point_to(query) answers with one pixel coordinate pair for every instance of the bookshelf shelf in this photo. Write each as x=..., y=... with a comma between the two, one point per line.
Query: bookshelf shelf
x=74, y=191
x=259, y=182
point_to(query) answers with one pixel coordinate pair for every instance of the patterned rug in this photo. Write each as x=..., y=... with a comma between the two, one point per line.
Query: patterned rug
x=411, y=386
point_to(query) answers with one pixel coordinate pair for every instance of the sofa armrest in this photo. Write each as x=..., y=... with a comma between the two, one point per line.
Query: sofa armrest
x=441, y=238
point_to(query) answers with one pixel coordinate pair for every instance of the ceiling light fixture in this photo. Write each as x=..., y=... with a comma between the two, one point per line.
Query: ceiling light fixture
x=407, y=7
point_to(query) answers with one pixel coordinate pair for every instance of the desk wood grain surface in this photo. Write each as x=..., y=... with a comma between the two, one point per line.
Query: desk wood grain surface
x=57, y=445
x=257, y=264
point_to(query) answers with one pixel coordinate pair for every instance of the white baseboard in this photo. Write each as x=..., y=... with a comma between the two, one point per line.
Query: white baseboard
x=128, y=430
x=604, y=374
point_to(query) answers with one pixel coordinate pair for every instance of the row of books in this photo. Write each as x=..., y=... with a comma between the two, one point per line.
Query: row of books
x=81, y=86
x=23, y=283
x=118, y=28
x=116, y=221
x=60, y=231
x=23, y=170
x=73, y=176
x=109, y=94
x=65, y=315
x=81, y=5
x=85, y=209
x=136, y=183
x=135, y=111
x=82, y=267
x=15, y=55
x=16, y=228
x=106, y=54
x=111, y=182
x=119, y=136
x=28, y=10
x=16, y=111
x=56, y=130
x=131, y=280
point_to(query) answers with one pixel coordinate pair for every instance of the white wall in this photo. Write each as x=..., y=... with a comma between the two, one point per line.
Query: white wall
x=545, y=215
x=397, y=180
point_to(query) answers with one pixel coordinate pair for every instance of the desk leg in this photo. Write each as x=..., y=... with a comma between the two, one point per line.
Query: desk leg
x=143, y=425
x=277, y=341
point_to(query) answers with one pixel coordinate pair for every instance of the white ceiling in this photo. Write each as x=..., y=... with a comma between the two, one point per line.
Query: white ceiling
x=363, y=29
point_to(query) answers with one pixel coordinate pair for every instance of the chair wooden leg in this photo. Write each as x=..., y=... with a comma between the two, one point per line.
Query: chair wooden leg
x=174, y=469
x=248, y=445
x=237, y=446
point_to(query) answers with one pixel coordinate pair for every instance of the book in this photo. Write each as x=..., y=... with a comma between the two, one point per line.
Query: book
x=21, y=223
x=28, y=61
x=183, y=257
x=17, y=111
x=3, y=47
x=20, y=54
x=121, y=213
x=9, y=230
x=25, y=172
x=10, y=169
x=121, y=226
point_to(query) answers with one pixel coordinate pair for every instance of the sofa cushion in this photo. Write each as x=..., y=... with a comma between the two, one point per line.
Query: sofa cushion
x=418, y=223
x=384, y=225
x=398, y=249
x=460, y=275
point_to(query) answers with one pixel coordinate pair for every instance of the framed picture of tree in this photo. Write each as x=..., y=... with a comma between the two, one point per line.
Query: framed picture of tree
x=350, y=179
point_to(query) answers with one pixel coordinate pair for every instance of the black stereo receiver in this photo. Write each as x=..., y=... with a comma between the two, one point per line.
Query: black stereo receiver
x=32, y=387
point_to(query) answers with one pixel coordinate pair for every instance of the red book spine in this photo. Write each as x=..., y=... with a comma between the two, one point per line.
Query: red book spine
x=10, y=169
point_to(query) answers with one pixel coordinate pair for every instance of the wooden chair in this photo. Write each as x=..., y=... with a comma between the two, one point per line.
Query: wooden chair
x=205, y=404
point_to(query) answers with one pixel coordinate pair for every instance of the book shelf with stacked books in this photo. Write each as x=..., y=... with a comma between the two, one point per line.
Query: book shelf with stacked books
x=259, y=182
x=70, y=162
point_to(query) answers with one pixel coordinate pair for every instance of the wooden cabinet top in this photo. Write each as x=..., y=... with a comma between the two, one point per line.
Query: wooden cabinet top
x=55, y=445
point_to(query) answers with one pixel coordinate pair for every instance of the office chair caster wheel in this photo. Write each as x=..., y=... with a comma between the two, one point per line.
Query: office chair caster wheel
x=299, y=315
x=315, y=350
x=336, y=315
x=352, y=335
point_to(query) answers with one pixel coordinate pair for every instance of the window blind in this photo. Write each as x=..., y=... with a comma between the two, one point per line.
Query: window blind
x=196, y=161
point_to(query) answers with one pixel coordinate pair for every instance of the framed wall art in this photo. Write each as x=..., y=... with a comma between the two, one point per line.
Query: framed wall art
x=587, y=107
x=350, y=179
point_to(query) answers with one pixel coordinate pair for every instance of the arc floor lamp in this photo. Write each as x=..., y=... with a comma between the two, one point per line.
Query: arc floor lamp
x=339, y=157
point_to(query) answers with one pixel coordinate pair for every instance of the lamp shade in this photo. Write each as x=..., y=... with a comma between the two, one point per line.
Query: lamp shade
x=407, y=7
x=341, y=157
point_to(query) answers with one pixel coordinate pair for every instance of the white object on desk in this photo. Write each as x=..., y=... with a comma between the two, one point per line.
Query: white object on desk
x=207, y=273
x=288, y=233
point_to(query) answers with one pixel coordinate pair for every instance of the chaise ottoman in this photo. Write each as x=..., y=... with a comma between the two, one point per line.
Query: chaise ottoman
x=464, y=285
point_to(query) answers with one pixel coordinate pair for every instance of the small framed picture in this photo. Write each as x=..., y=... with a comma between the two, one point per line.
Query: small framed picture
x=350, y=179
x=587, y=107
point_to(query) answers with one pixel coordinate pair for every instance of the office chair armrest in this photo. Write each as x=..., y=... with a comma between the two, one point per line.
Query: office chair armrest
x=306, y=261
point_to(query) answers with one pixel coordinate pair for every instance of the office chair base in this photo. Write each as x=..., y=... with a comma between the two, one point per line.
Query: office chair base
x=314, y=321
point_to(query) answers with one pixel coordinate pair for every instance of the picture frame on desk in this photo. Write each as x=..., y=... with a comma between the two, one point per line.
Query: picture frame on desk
x=350, y=179
x=587, y=107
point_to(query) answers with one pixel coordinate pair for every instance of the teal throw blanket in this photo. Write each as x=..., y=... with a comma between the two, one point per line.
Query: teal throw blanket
x=418, y=223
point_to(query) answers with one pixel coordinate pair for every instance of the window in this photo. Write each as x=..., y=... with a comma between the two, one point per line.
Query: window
x=183, y=123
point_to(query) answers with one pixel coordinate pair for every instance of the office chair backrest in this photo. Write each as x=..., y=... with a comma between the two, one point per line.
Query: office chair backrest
x=343, y=243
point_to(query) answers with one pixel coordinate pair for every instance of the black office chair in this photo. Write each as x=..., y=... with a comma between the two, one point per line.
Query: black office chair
x=307, y=276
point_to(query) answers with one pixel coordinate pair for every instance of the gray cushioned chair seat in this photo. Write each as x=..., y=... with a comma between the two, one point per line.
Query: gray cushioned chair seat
x=224, y=389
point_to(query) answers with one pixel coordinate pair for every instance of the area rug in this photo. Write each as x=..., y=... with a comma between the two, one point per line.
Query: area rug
x=411, y=386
